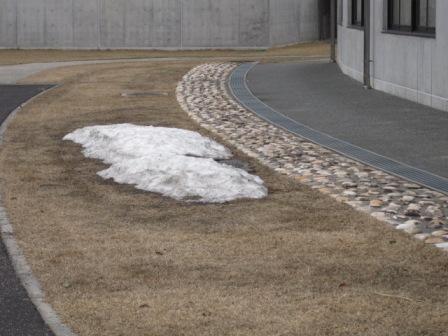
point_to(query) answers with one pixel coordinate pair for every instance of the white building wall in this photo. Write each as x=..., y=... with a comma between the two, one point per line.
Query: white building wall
x=412, y=67
x=156, y=24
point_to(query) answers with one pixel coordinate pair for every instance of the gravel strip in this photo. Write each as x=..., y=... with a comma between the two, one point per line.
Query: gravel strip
x=203, y=94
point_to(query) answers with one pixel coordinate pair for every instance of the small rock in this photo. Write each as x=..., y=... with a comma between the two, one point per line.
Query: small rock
x=413, y=210
x=411, y=227
x=434, y=240
x=439, y=233
x=422, y=236
x=436, y=223
x=408, y=198
x=392, y=208
x=426, y=203
x=411, y=186
x=349, y=185
x=433, y=211
x=414, y=206
x=376, y=203
x=443, y=246
x=349, y=193
x=389, y=189
x=355, y=204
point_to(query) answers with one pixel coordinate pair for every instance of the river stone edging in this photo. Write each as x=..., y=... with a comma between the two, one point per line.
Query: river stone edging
x=203, y=94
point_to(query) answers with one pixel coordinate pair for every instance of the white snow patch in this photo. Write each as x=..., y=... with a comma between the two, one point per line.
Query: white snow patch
x=172, y=162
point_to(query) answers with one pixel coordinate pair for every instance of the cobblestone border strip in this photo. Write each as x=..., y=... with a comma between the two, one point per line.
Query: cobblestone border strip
x=21, y=267
x=204, y=95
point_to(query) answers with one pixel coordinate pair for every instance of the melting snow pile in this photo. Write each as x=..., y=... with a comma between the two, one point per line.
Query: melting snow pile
x=173, y=162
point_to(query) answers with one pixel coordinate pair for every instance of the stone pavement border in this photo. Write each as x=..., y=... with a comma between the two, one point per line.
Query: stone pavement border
x=203, y=94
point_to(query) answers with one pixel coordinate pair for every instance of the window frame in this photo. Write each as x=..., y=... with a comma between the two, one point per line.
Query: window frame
x=354, y=23
x=415, y=29
x=427, y=29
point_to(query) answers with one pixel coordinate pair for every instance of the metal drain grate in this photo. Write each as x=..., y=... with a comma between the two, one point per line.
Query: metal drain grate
x=242, y=93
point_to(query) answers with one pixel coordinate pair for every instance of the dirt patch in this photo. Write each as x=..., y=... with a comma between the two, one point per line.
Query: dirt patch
x=117, y=261
x=14, y=56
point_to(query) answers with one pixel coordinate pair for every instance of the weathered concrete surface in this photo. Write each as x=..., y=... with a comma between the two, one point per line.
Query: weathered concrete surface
x=154, y=24
x=410, y=67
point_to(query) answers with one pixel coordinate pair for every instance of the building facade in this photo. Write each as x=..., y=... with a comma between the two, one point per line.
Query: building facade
x=156, y=24
x=408, y=47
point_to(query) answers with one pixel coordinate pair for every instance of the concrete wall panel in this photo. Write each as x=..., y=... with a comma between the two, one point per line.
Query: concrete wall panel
x=59, y=23
x=150, y=24
x=210, y=23
x=284, y=21
x=138, y=15
x=254, y=23
x=31, y=23
x=86, y=24
x=112, y=24
x=8, y=23
x=309, y=20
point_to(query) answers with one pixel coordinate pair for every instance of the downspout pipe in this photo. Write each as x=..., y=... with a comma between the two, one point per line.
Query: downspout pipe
x=333, y=30
x=367, y=29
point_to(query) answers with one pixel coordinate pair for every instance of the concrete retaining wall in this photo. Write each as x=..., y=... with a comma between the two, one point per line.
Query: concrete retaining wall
x=412, y=67
x=156, y=24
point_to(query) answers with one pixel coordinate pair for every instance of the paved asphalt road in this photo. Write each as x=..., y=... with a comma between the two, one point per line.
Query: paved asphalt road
x=321, y=97
x=18, y=316
x=12, y=96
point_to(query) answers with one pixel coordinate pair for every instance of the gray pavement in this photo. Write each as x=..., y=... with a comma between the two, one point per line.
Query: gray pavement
x=18, y=316
x=12, y=96
x=318, y=95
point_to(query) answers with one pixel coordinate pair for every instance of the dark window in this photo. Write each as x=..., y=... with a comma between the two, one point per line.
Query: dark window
x=414, y=16
x=426, y=16
x=358, y=13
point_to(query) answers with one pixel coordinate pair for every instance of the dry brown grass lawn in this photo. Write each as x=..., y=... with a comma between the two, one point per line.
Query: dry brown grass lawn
x=116, y=261
x=14, y=56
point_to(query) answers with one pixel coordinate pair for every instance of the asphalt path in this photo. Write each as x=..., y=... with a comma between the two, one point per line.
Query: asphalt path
x=319, y=95
x=18, y=315
x=13, y=96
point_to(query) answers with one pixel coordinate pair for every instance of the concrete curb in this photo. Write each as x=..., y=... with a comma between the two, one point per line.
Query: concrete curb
x=21, y=267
